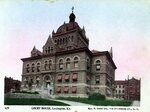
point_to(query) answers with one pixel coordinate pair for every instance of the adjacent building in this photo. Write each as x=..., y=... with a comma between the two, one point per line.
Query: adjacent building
x=120, y=86
x=66, y=67
x=128, y=89
x=11, y=84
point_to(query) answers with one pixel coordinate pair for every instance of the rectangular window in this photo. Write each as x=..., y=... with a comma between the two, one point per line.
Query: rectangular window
x=74, y=89
x=32, y=69
x=98, y=67
x=75, y=77
x=67, y=78
x=59, y=78
x=61, y=66
x=76, y=64
x=97, y=79
x=58, y=89
x=116, y=91
x=66, y=89
x=68, y=66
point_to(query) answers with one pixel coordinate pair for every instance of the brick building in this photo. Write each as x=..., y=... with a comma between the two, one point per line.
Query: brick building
x=128, y=89
x=66, y=66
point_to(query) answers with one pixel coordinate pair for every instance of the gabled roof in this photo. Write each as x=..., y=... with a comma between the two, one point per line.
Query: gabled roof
x=35, y=52
x=49, y=41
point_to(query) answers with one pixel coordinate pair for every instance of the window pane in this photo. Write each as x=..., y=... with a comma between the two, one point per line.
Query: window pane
x=60, y=66
x=68, y=65
x=76, y=64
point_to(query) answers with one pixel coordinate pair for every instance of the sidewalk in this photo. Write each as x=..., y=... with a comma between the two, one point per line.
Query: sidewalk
x=71, y=103
x=136, y=103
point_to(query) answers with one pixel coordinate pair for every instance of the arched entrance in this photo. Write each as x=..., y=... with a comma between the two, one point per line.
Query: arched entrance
x=48, y=84
x=47, y=81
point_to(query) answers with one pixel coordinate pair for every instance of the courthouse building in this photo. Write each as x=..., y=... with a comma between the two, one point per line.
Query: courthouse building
x=66, y=67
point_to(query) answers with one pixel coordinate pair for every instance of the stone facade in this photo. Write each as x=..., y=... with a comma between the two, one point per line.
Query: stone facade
x=67, y=67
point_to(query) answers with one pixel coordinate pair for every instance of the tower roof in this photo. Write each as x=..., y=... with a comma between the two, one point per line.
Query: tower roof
x=67, y=27
x=72, y=16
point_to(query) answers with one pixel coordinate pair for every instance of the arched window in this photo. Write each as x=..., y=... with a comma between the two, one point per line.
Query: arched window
x=97, y=65
x=66, y=40
x=50, y=64
x=27, y=68
x=76, y=62
x=38, y=67
x=57, y=42
x=72, y=38
x=69, y=39
x=119, y=91
x=68, y=63
x=33, y=67
x=63, y=41
x=61, y=64
x=46, y=65
x=47, y=78
x=60, y=41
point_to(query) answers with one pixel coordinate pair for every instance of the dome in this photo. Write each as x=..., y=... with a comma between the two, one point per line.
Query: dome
x=67, y=27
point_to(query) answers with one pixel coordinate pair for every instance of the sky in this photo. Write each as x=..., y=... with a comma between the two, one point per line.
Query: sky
x=123, y=25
